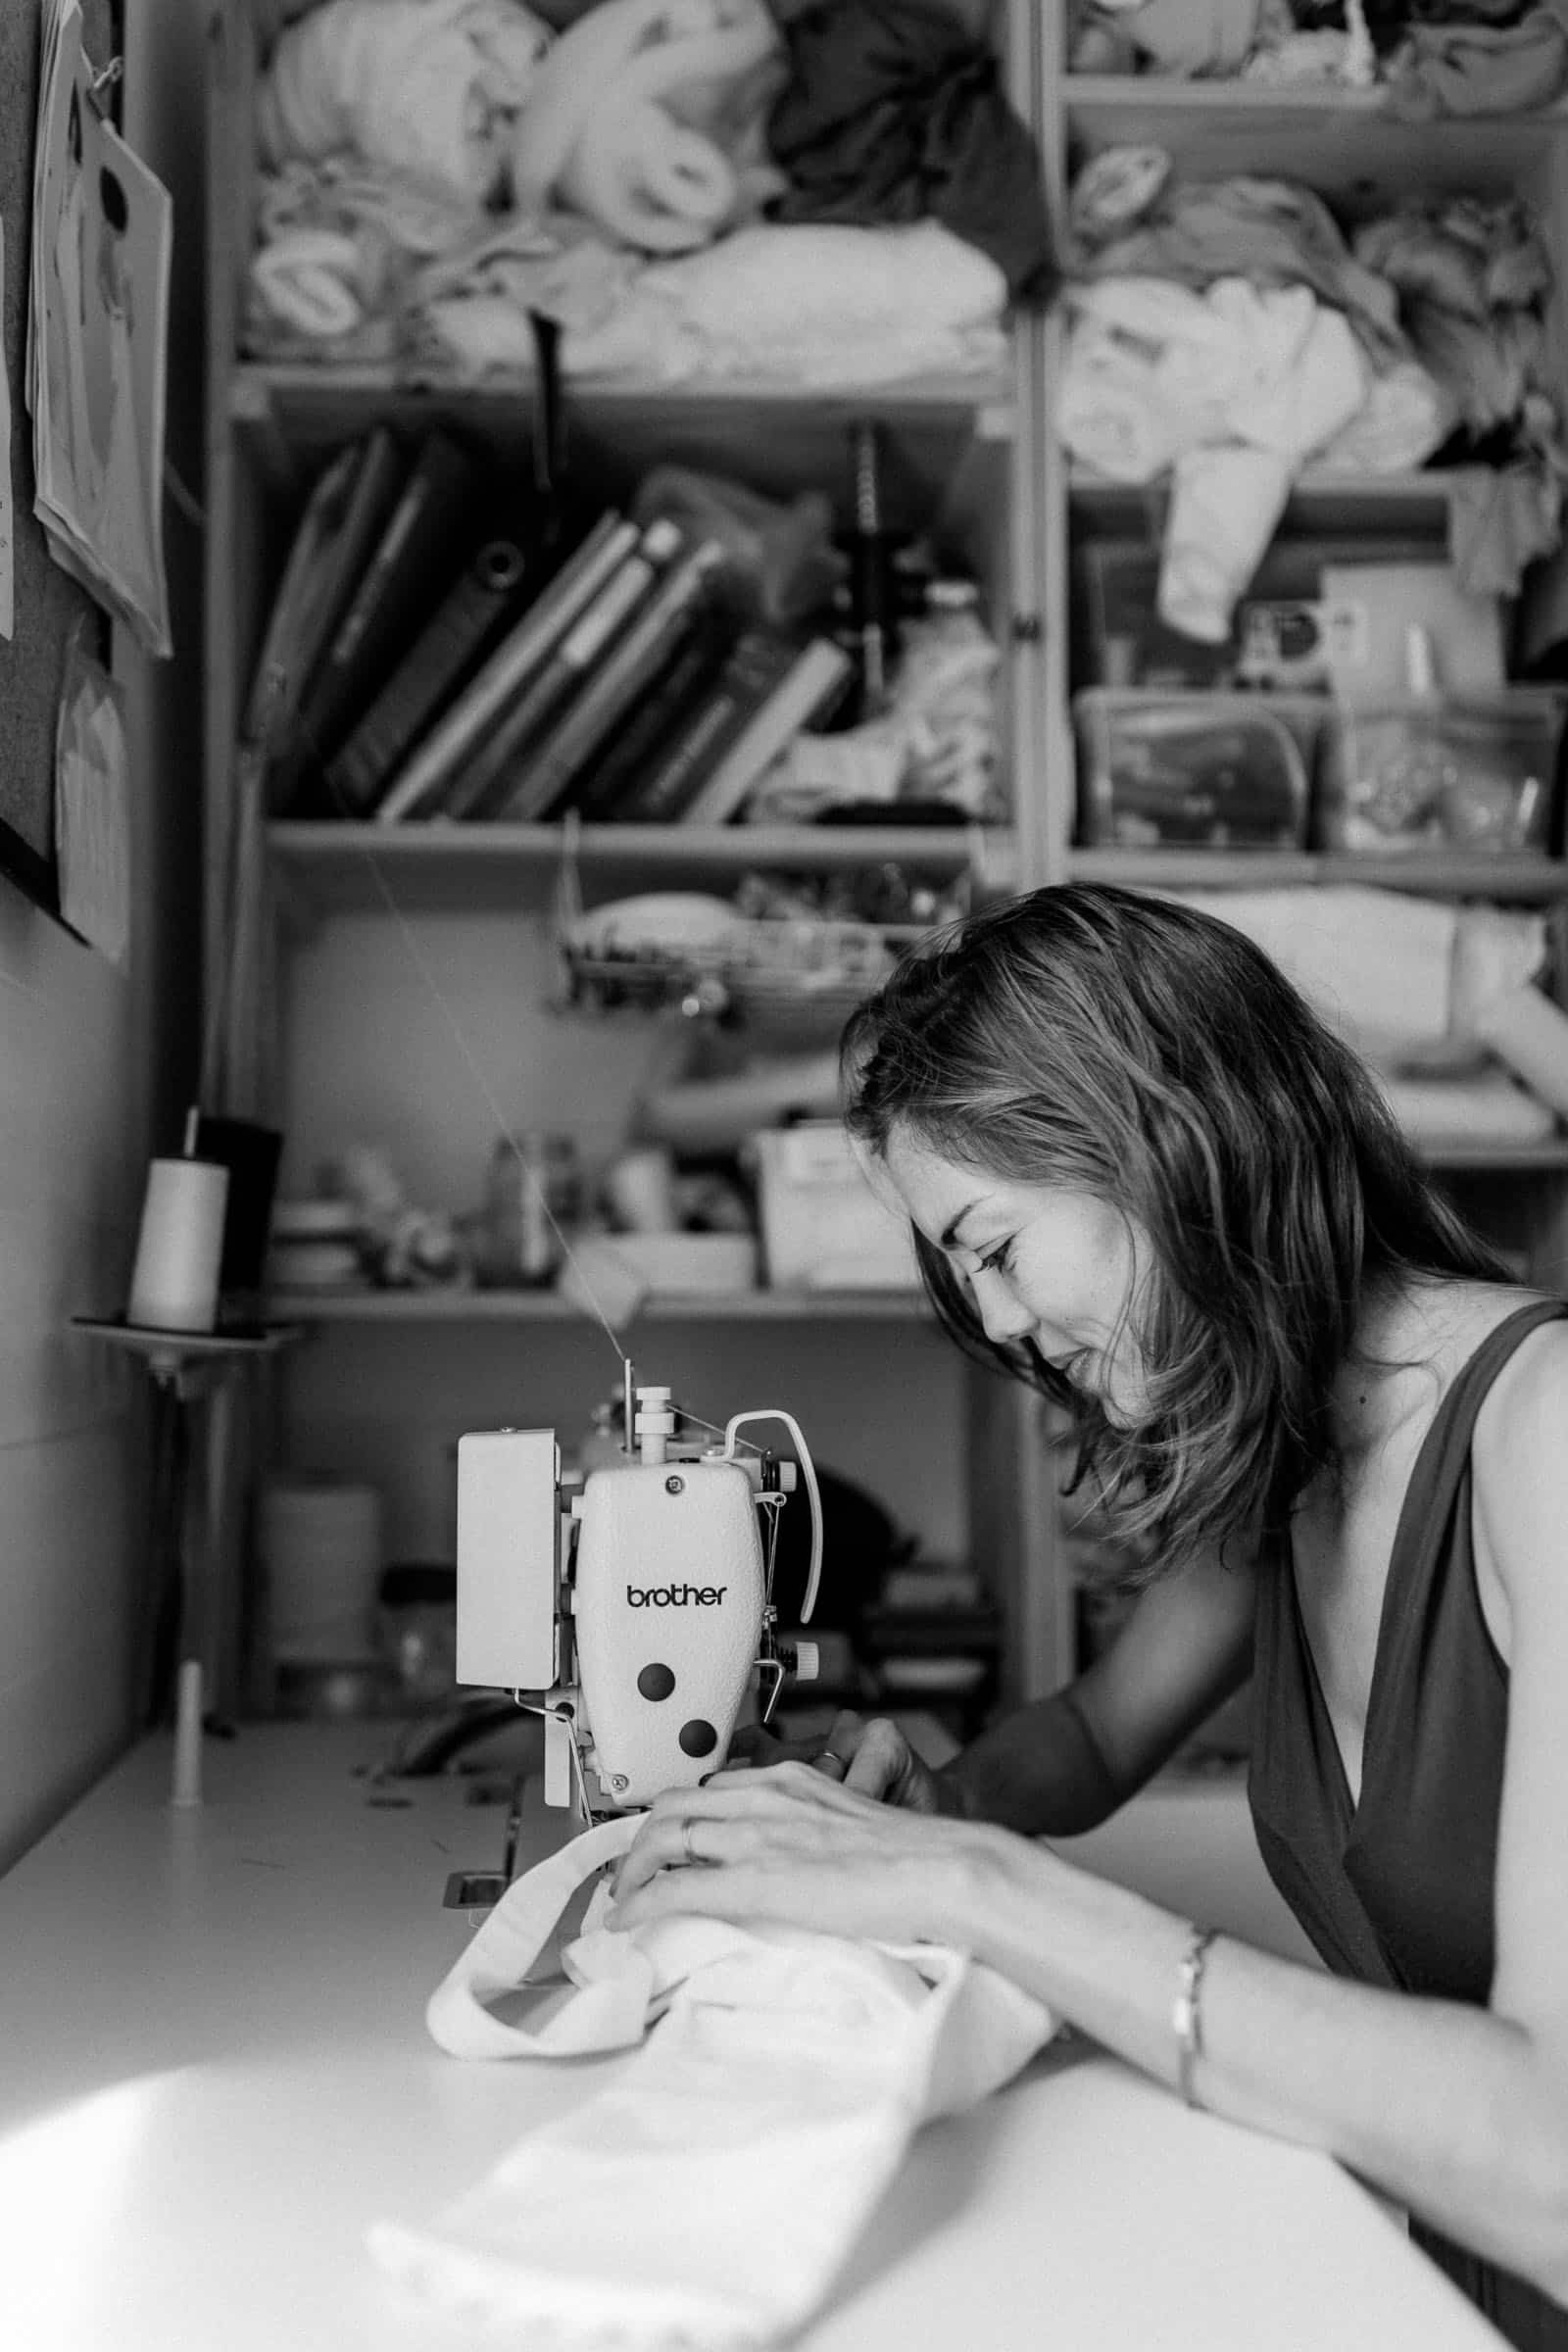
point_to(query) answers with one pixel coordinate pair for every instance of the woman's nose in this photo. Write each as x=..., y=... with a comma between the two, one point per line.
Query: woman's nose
x=1002, y=1314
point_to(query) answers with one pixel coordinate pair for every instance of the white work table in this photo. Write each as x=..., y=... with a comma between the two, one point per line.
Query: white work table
x=215, y=2074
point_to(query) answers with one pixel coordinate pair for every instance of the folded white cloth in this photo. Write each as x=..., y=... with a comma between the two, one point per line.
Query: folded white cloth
x=1234, y=390
x=1400, y=977
x=429, y=87
x=769, y=2110
x=809, y=303
x=1489, y=1110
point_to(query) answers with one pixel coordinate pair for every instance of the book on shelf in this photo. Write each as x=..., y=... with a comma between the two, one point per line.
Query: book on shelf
x=672, y=695
x=442, y=657
x=809, y=694
x=308, y=600
x=769, y=688
x=612, y=687
x=490, y=778
x=752, y=667
x=427, y=535
x=432, y=779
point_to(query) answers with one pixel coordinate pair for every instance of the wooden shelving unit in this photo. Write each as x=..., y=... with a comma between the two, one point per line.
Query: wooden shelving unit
x=976, y=456
x=958, y=463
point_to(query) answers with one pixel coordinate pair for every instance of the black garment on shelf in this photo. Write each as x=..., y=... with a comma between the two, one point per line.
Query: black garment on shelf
x=1397, y=1889
x=893, y=113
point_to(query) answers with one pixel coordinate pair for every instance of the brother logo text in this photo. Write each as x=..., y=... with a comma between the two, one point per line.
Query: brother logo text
x=674, y=1596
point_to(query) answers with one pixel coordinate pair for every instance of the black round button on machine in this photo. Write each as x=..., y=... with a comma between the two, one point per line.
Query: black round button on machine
x=656, y=1682
x=697, y=1737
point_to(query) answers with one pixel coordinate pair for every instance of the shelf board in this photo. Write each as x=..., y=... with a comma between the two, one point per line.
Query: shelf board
x=430, y=868
x=453, y=1306
x=1434, y=874
x=780, y=437
x=1346, y=143
x=265, y=388
x=1547, y=1156
x=1324, y=501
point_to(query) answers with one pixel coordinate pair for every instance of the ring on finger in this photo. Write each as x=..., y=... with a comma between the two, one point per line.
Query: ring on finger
x=829, y=1755
x=687, y=1851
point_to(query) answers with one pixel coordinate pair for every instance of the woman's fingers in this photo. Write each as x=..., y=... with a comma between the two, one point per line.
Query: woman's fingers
x=836, y=1756
x=742, y=1892
x=880, y=1759
x=676, y=1827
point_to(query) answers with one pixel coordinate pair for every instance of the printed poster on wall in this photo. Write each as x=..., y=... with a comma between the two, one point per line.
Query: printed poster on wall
x=98, y=327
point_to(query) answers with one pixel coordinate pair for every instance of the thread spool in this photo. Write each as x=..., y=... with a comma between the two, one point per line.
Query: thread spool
x=320, y=1551
x=173, y=1285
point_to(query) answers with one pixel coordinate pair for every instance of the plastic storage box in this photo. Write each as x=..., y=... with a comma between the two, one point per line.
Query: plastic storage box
x=1438, y=773
x=823, y=1228
x=1196, y=770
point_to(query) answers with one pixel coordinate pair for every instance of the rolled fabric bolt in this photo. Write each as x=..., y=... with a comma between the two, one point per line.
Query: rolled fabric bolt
x=1527, y=1031
x=175, y=1283
x=187, y=1788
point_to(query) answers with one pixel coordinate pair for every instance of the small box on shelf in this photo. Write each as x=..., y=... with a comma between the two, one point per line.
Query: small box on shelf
x=1216, y=770
x=1422, y=772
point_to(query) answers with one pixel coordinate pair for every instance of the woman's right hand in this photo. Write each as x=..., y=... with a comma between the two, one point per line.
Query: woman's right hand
x=873, y=1758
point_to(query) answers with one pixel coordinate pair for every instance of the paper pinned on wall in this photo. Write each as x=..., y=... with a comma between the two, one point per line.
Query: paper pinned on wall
x=92, y=807
x=7, y=606
x=97, y=334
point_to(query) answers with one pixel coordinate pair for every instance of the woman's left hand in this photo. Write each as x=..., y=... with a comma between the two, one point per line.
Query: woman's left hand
x=790, y=1844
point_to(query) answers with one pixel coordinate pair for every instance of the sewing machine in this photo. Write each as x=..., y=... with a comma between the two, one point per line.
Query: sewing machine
x=630, y=1607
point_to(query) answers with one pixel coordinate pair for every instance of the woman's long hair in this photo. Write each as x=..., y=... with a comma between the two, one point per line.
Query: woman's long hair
x=1134, y=1049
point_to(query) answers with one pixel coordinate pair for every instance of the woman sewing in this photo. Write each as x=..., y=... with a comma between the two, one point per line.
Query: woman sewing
x=1143, y=1176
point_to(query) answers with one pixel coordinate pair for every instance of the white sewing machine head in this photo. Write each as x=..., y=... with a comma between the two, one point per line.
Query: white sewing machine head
x=633, y=1606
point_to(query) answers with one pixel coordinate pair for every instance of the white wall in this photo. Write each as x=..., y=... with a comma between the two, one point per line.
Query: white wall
x=90, y=1063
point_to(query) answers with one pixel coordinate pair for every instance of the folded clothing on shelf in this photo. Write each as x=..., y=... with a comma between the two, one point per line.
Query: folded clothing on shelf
x=1444, y=299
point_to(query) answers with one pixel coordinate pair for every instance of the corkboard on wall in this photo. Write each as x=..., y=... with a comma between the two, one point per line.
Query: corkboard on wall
x=48, y=603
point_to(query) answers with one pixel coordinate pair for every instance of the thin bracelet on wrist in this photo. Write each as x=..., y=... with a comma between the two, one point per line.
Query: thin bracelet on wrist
x=1186, y=2014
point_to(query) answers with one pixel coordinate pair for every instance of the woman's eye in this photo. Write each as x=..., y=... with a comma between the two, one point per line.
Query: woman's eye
x=1000, y=1260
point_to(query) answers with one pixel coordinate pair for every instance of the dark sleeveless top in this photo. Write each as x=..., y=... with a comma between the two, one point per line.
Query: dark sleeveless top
x=1397, y=1889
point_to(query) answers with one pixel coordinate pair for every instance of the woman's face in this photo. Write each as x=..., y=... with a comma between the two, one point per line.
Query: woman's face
x=1043, y=1263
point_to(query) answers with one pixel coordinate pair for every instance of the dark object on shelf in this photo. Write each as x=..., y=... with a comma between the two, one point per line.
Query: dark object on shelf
x=860, y=1542
x=873, y=623
x=416, y=1624
x=894, y=110
x=887, y=813
x=250, y=1152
